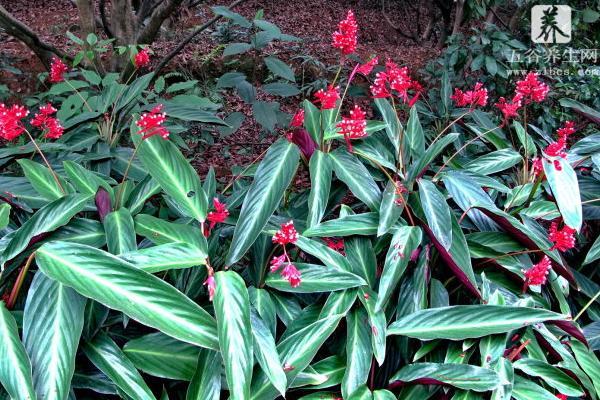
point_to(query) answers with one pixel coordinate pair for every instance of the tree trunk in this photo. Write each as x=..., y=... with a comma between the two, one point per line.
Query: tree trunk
x=124, y=30
x=491, y=14
x=87, y=18
x=430, y=22
x=458, y=17
x=44, y=51
x=160, y=13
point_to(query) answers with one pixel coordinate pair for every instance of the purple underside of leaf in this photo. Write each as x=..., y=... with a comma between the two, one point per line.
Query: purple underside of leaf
x=302, y=139
x=449, y=260
x=571, y=329
x=554, y=356
x=527, y=242
x=103, y=204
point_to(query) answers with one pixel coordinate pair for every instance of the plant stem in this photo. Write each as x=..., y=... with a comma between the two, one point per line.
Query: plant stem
x=589, y=303
x=19, y=282
x=78, y=94
x=449, y=126
x=122, y=185
x=54, y=175
x=235, y=178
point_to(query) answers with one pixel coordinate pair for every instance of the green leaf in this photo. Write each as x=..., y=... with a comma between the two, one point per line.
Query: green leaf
x=316, y=278
x=358, y=351
x=206, y=382
x=468, y=321
x=265, y=113
x=121, y=286
x=525, y=389
x=232, y=310
x=52, y=325
x=235, y=17
x=320, y=185
x=281, y=89
x=329, y=257
x=108, y=358
x=390, y=117
x=362, y=258
x=279, y=68
x=462, y=376
x=165, y=257
x=593, y=253
x=418, y=167
x=357, y=177
x=120, y=232
x=404, y=242
x=42, y=179
x=174, y=174
x=160, y=232
x=272, y=178
x=588, y=362
x=141, y=193
x=266, y=353
x=565, y=189
x=15, y=368
x=47, y=219
x=550, y=375
x=415, y=137
x=160, y=355
x=389, y=211
x=529, y=147
x=437, y=212
x=4, y=215
x=134, y=90
x=495, y=161
x=355, y=224
x=312, y=121
x=85, y=181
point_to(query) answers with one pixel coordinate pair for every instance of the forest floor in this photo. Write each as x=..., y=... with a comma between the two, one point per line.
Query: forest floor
x=311, y=20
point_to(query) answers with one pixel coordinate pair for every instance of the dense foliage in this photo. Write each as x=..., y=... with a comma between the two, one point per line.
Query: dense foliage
x=445, y=247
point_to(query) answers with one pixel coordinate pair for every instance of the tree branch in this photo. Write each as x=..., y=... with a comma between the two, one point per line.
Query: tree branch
x=189, y=38
x=394, y=26
x=160, y=13
x=43, y=50
x=105, y=24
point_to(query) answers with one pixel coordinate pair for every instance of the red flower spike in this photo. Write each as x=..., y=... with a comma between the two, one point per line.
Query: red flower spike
x=367, y=67
x=345, y=38
x=291, y=273
x=537, y=166
x=277, y=262
x=54, y=129
x=509, y=109
x=328, y=98
x=211, y=286
x=562, y=239
x=562, y=396
x=353, y=127
x=566, y=130
x=10, y=121
x=297, y=119
x=531, y=89
x=287, y=234
x=478, y=96
x=57, y=70
x=379, y=89
x=45, y=121
x=219, y=215
x=335, y=244
x=536, y=275
x=151, y=123
x=142, y=58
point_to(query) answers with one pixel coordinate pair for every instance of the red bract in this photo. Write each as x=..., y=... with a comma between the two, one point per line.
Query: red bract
x=302, y=139
x=509, y=109
x=45, y=121
x=562, y=239
x=395, y=79
x=366, y=68
x=345, y=38
x=151, y=123
x=557, y=149
x=277, y=262
x=335, y=244
x=353, y=127
x=536, y=275
x=211, y=286
x=472, y=98
x=291, y=273
x=297, y=119
x=10, y=121
x=562, y=396
x=399, y=192
x=379, y=88
x=142, y=58
x=219, y=215
x=57, y=70
x=287, y=234
x=532, y=89
x=537, y=166
x=566, y=130
x=328, y=98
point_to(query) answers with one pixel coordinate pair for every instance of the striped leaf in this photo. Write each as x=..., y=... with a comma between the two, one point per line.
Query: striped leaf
x=436, y=211
x=358, y=352
x=266, y=353
x=356, y=176
x=320, y=185
x=42, y=179
x=120, y=232
x=165, y=257
x=565, y=189
x=206, y=382
x=462, y=376
x=316, y=278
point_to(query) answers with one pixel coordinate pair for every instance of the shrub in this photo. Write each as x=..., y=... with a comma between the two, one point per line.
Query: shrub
x=441, y=246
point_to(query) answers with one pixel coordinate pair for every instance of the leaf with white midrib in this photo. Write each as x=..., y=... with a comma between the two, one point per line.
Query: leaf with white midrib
x=437, y=212
x=356, y=176
x=15, y=367
x=320, y=179
x=52, y=325
x=120, y=232
x=121, y=286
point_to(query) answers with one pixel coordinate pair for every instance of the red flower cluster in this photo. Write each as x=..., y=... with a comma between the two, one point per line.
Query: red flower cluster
x=399, y=192
x=536, y=275
x=10, y=121
x=531, y=89
x=57, y=70
x=335, y=244
x=556, y=149
x=142, y=58
x=353, y=127
x=395, y=79
x=287, y=234
x=297, y=119
x=367, y=67
x=345, y=38
x=216, y=217
x=509, y=109
x=151, y=123
x=45, y=121
x=328, y=98
x=566, y=130
x=562, y=396
x=562, y=239
x=472, y=98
